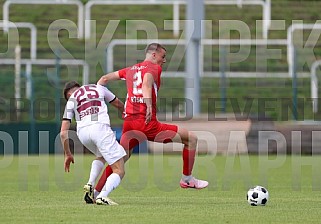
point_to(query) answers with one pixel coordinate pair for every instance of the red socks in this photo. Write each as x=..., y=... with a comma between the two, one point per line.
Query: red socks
x=188, y=161
x=103, y=178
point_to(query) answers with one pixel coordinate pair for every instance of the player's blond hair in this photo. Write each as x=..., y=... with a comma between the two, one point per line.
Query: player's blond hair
x=154, y=47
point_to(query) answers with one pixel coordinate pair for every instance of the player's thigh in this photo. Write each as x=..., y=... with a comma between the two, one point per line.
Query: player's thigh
x=162, y=132
x=132, y=138
x=185, y=136
x=84, y=135
x=108, y=146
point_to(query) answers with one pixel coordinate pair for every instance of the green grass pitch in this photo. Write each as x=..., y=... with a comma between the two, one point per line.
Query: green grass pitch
x=35, y=189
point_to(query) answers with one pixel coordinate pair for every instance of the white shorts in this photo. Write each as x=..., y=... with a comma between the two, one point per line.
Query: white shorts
x=101, y=140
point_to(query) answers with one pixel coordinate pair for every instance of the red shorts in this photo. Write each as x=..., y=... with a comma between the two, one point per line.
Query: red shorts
x=136, y=131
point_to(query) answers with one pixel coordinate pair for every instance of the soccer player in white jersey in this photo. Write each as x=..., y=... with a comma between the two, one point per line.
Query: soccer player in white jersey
x=87, y=105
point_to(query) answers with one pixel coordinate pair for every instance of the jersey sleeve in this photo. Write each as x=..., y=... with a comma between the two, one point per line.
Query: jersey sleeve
x=123, y=72
x=108, y=95
x=69, y=110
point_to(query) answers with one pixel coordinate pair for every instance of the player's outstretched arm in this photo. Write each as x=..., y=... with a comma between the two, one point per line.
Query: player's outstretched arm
x=108, y=77
x=65, y=125
x=147, y=95
x=117, y=103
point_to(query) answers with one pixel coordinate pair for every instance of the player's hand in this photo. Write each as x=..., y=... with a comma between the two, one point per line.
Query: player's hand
x=68, y=159
x=148, y=116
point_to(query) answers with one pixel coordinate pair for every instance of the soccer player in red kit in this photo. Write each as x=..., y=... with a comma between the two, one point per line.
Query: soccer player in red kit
x=140, y=120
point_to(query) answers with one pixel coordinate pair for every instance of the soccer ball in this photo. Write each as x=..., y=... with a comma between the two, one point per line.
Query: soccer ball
x=257, y=195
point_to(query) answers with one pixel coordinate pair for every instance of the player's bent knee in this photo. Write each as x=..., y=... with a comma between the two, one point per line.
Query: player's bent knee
x=192, y=139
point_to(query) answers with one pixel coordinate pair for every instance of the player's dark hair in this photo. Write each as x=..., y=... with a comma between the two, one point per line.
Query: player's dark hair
x=154, y=47
x=69, y=86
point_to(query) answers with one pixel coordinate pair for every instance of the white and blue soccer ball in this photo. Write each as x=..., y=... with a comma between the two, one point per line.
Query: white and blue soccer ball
x=257, y=196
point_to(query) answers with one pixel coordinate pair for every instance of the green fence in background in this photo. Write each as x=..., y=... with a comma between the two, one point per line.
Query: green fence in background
x=43, y=138
x=23, y=138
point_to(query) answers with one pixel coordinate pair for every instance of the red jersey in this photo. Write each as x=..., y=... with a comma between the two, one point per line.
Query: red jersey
x=134, y=77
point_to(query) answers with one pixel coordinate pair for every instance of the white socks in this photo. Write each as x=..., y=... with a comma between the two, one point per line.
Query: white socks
x=96, y=168
x=112, y=182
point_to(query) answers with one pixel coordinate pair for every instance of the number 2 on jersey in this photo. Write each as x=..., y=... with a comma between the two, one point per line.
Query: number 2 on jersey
x=137, y=83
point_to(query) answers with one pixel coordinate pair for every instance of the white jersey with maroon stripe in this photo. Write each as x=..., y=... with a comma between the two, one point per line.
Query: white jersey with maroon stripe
x=87, y=105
